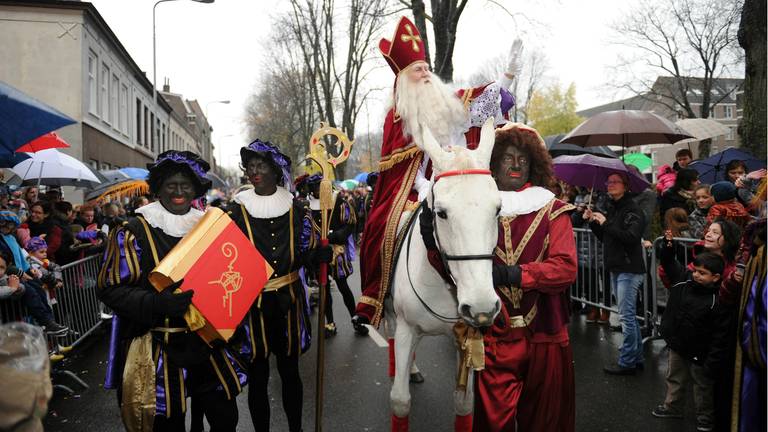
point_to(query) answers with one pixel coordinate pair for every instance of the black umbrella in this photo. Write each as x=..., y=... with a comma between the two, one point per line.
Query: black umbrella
x=557, y=148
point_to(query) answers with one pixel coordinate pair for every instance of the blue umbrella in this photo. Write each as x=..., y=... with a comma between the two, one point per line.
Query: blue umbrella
x=9, y=161
x=362, y=177
x=135, y=173
x=712, y=169
x=23, y=118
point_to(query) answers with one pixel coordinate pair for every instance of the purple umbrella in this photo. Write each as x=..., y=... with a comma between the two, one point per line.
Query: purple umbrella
x=592, y=171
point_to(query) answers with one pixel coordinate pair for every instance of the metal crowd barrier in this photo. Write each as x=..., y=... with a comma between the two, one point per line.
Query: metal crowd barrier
x=76, y=307
x=593, y=288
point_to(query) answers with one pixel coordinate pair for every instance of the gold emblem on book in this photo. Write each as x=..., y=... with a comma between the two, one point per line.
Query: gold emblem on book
x=230, y=280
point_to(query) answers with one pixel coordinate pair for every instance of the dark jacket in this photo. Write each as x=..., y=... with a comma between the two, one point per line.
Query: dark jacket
x=671, y=199
x=621, y=235
x=694, y=323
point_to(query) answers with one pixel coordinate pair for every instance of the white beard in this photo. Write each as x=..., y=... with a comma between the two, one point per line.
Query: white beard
x=433, y=105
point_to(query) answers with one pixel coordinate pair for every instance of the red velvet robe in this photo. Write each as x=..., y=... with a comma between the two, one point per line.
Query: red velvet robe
x=528, y=375
x=400, y=161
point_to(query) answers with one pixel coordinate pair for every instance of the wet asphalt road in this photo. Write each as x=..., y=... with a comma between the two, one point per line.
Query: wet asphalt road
x=357, y=386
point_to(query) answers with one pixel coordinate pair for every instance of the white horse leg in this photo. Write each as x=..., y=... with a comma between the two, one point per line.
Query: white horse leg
x=400, y=395
x=463, y=402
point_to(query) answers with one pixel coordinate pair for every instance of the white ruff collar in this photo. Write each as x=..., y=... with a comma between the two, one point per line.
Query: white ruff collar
x=172, y=224
x=526, y=201
x=265, y=206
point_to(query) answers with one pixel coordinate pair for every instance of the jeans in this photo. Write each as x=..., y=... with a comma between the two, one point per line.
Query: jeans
x=625, y=286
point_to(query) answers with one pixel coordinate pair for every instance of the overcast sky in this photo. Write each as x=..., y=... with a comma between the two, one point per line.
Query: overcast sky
x=213, y=52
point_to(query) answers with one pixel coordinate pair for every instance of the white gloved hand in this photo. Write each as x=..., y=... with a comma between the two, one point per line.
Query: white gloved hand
x=422, y=188
x=514, y=65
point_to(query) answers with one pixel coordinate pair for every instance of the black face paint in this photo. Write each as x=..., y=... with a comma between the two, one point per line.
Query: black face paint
x=262, y=175
x=177, y=192
x=512, y=171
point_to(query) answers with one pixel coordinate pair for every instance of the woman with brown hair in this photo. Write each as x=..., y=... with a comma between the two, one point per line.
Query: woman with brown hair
x=676, y=220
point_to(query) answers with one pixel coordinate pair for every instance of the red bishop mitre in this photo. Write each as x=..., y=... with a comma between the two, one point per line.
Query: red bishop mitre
x=405, y=48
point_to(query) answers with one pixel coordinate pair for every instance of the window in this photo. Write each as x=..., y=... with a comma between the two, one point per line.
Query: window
x=105, y=92
x=93, y=91
x=146, y=127
x=114, y=93
x=162, y=140
x=712, y=113
x=730, y=135
x=105, y=166
x=123, y=109
x=138, y=122
x=728, y=111
x=152, y=131
x=93, y=163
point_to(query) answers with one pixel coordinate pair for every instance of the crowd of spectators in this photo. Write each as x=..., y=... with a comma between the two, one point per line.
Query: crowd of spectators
x=709, y=234
x=39, y=233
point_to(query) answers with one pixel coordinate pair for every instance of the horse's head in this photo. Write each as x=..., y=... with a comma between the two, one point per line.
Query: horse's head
x=465, y=203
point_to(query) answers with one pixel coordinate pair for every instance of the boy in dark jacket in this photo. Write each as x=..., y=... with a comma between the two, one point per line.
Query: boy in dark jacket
x=691, y=324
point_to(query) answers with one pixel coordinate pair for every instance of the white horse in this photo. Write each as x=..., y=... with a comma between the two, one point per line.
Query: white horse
x=465, y=203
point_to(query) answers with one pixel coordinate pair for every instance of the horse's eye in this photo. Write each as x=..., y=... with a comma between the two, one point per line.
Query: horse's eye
x=441, y=214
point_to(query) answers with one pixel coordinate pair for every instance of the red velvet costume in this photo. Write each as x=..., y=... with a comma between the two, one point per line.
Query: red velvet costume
x=399, y=164
x=528, y=376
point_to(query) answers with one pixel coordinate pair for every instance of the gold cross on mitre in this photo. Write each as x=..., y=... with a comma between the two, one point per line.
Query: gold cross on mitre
x=413, y=38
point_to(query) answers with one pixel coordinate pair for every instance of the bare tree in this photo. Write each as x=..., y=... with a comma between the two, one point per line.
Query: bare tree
x=752, y=37
x=337, y=70
x=445, y=19
x=691, y=41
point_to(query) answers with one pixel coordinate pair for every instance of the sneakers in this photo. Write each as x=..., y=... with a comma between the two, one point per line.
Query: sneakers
x=55, y=329
x=662, y=411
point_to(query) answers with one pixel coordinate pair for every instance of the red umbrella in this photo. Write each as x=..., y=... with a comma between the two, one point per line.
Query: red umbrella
x=45, y=142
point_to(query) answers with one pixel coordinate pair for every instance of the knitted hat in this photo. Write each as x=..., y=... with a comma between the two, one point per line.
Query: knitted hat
x=723, y=191
x=9, y=216
x=35, y=244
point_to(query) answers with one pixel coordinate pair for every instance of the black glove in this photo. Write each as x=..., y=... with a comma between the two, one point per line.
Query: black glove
x=322, y=254
x=507, y=275
x=173, y=305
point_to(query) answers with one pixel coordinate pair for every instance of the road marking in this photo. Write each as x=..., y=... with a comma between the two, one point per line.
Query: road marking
x=377, y=338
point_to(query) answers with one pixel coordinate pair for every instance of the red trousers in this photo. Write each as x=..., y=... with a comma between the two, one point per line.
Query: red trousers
x=528, y=383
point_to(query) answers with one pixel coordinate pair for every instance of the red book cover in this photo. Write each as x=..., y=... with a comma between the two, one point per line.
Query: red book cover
x=227, y=273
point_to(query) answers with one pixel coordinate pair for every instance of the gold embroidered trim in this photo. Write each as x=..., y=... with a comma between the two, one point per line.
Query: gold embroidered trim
x=221, y=377
x=277, y=283
x=371, y=301
x=567, y=207
x=397, y=156
x=531, y=230
x=390, y=232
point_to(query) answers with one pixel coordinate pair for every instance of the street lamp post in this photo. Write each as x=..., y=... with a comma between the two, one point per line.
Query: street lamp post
x=154, y=46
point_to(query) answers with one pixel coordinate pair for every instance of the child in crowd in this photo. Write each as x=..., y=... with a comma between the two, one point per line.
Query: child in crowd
x=33, y=296
x=50, y=272
x=10, y=284
x=691, y=325
x=697, y=220
x=727, y=206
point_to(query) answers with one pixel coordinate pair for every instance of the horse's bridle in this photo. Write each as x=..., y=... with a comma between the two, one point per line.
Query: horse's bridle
x=443, y=255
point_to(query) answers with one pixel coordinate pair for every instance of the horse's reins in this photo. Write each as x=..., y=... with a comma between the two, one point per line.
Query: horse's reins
x=443, y=256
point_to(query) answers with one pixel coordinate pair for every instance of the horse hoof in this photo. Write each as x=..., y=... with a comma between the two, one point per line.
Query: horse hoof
x=417, y=378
